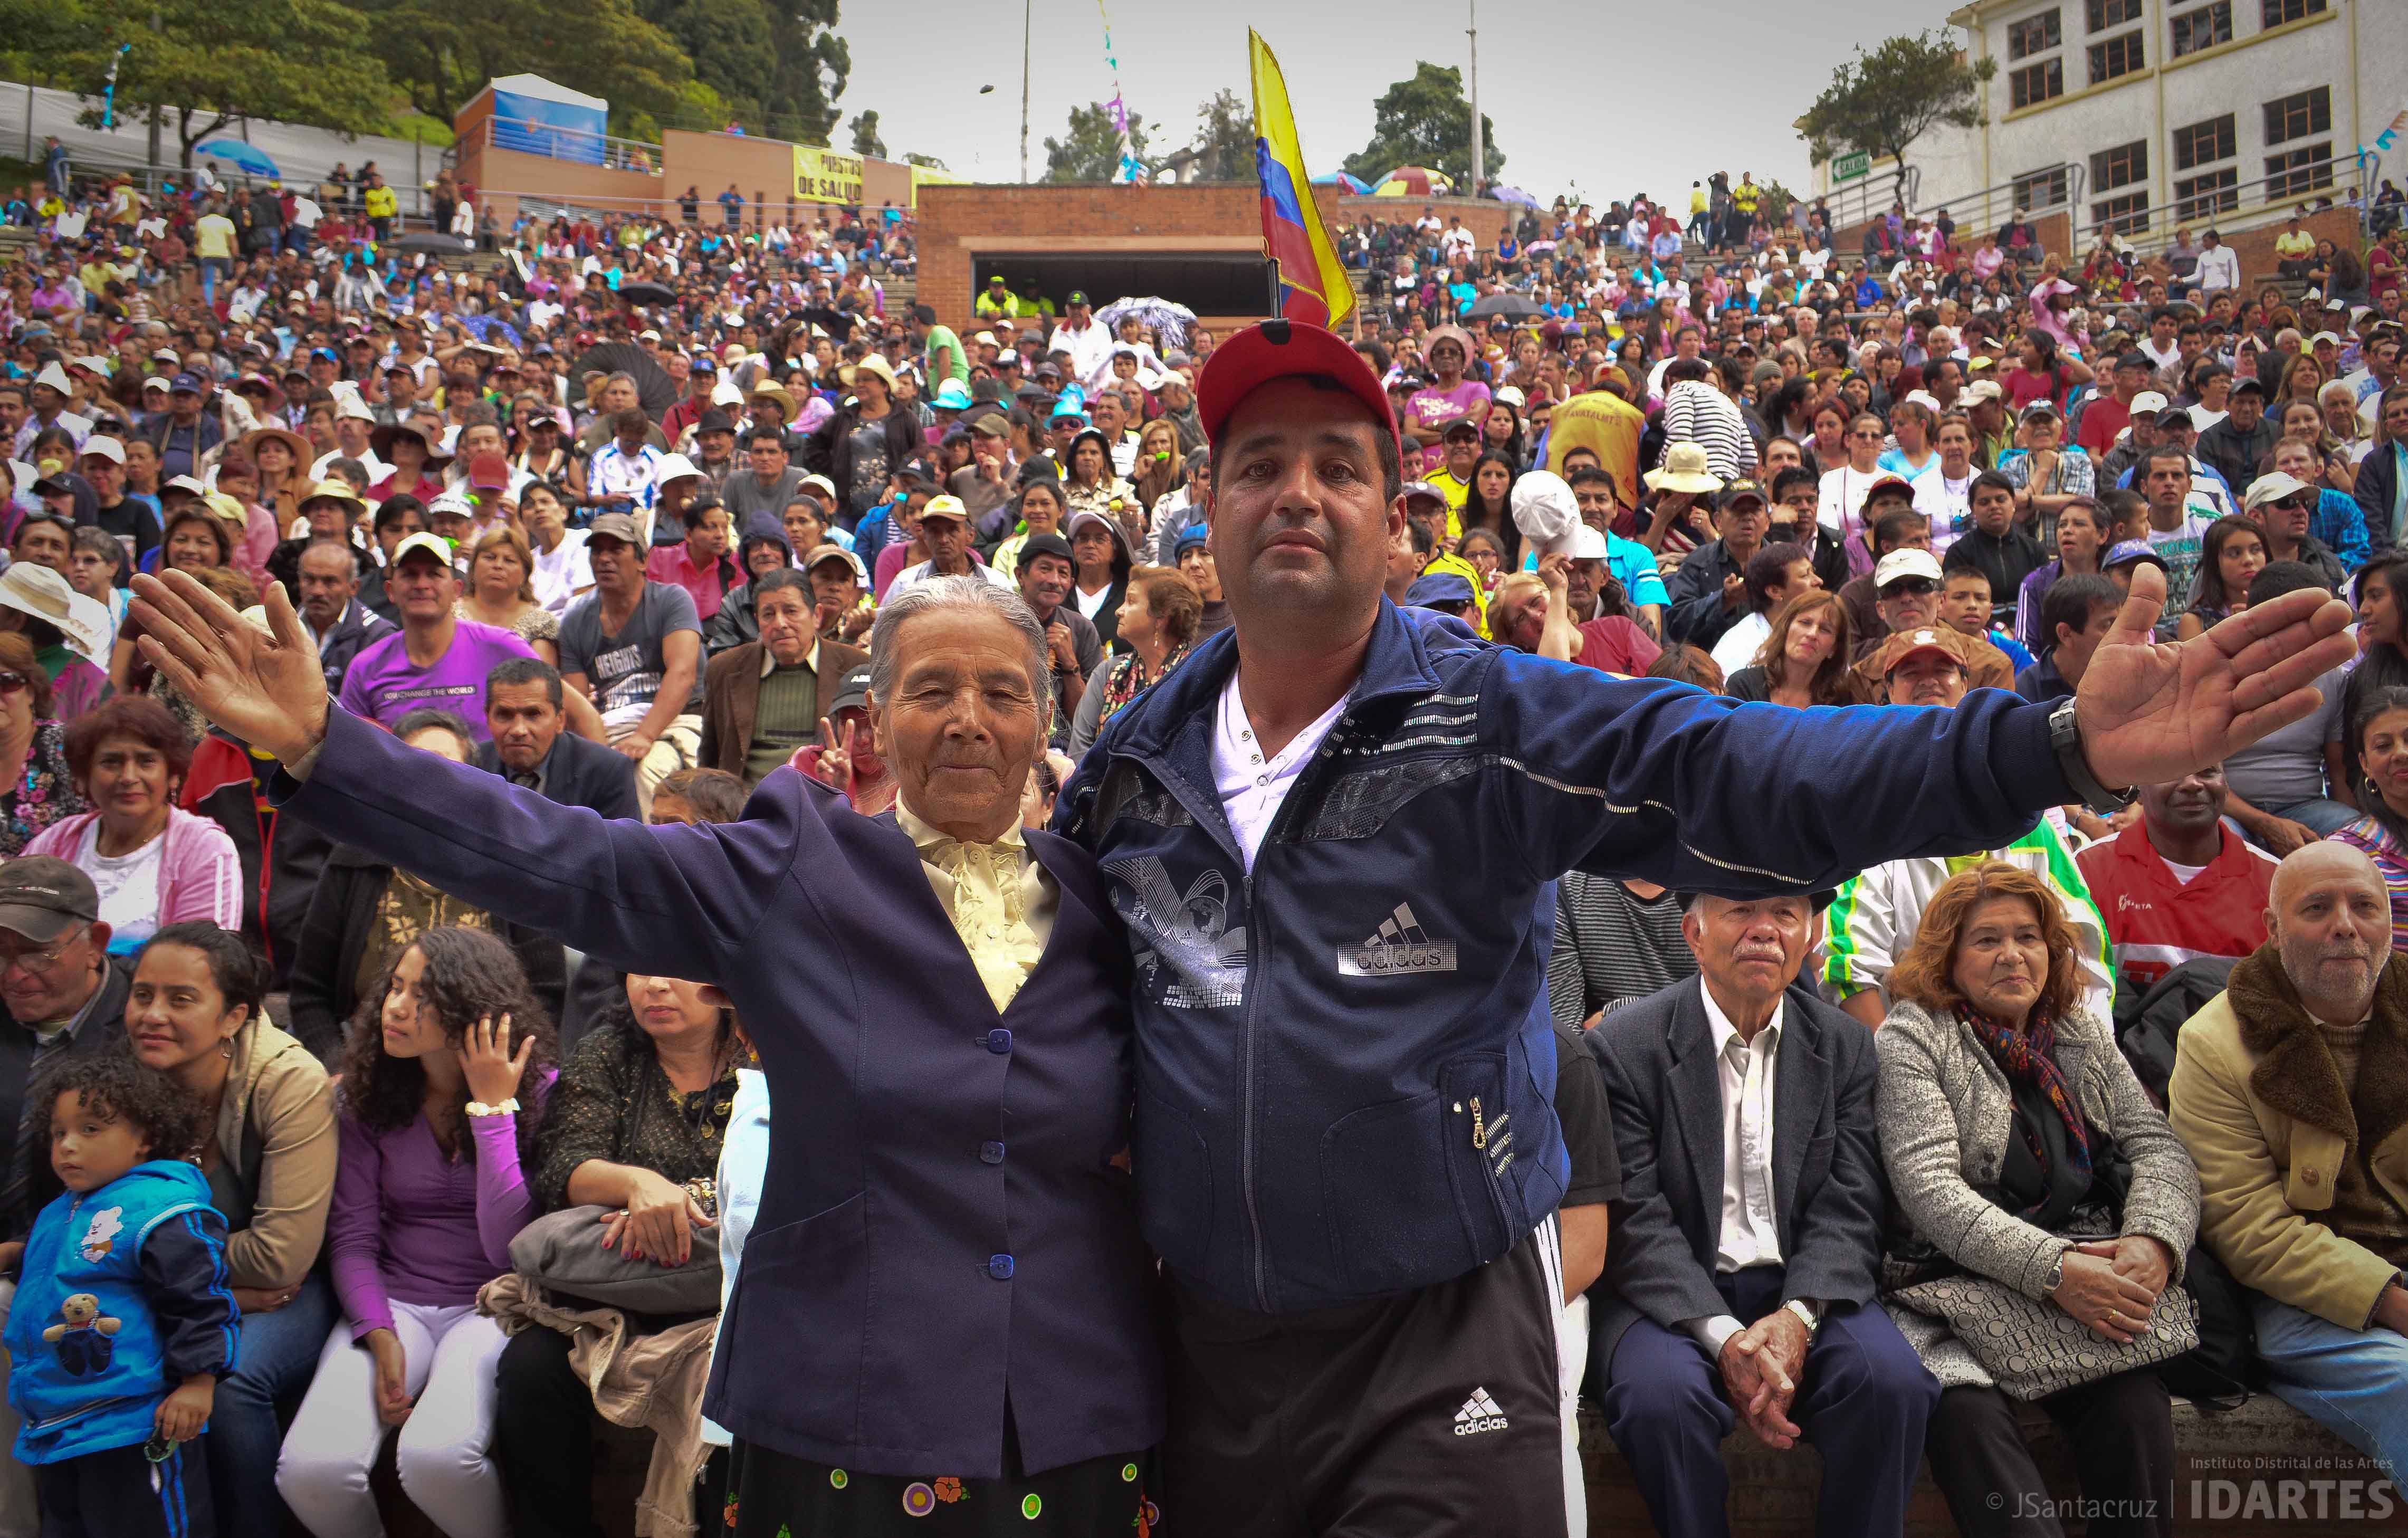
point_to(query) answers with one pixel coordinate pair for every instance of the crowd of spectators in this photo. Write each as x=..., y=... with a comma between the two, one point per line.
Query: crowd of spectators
x=629, y=555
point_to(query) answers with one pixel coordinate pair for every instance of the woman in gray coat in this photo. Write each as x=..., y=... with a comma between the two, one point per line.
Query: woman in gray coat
x=2029, y=1169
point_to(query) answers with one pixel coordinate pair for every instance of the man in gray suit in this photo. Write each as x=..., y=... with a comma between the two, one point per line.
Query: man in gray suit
x=1746, y=1241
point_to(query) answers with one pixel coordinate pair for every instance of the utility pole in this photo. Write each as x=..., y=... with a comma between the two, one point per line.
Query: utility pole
x=1478, y=149
x=1027, y=15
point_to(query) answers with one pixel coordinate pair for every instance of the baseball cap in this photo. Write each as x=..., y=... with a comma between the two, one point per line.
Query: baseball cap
x=1908, y=643
x=945, y=507
x=1461, y=427
x=100, y=447
x=611, y=525
x=1277, y=350
x=851, y=691
x=838, y=553
x=43, y=896
x=2249, y=384
x=2129, y=551
x=1078, y=296
x=422, y=543
x=674, y=468
x=1422, y=488
x=1901, y=564
x=1439, y=587
x=2148, y=401
x=186, y=384
x=1588, y=544
x=819, y=483
x=1982, y=390
x=1740, y=490
x=2135, y=359
x=489, y=471
x=2043, y=408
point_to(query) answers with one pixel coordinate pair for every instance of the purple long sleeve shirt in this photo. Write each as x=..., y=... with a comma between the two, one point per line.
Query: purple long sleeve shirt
x=409, y=1223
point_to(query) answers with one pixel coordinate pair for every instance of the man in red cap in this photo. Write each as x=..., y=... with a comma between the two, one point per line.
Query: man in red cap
x=1331, y=833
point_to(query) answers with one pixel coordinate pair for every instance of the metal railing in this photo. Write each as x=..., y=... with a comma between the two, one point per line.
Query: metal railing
x=527, y=136
x=2338, y=179
x=1869, y=198
x=2044, y=191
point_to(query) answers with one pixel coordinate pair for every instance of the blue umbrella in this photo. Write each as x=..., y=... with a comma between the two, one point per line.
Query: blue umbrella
x=483, y=326
x=242, y=157
x=1512, y=194
x=1339, y=178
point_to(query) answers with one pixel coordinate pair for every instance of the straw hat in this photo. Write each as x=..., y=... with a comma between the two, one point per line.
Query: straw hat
x=42, y=592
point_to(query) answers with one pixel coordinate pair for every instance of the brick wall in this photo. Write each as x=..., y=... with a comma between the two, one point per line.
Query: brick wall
x=956, y=222
x=2257, y=247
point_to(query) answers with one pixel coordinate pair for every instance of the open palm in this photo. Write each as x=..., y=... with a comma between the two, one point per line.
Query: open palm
x=2156, y=711
x=265, y=687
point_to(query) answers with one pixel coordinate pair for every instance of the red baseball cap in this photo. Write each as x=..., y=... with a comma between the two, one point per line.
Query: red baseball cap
x=1278, y=349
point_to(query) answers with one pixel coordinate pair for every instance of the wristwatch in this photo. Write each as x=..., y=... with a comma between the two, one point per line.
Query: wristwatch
x=1807, y=1312
x=507, y=1108
x=2056, y=1277
x=2065, y=740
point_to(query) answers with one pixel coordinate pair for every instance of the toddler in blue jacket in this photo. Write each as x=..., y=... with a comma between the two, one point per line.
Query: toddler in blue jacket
x=124, y=1321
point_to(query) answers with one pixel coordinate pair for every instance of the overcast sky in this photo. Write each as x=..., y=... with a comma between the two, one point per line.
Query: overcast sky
x=1655, y=94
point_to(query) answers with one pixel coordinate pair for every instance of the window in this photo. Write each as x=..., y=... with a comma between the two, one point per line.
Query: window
x=2037, y=83
x=2203, y=142
x=2203, y=28
x=2115, y=13
x=2298, y=116
x=2032, y=35
x=2126, y=215
x=2120, y=166
x=2279, y=11
x=2204, y=196
x=2297, y=171
x=2036, y=190
x=2118, y=55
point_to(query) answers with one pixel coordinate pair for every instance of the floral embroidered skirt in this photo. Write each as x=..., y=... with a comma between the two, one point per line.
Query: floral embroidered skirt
x=772, y=1495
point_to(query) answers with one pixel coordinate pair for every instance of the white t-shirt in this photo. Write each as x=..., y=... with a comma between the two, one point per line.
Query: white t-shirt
x=1090, y=604
x=563, y=573
x=1252, y=788
x=128, y=884
x=1740, y=643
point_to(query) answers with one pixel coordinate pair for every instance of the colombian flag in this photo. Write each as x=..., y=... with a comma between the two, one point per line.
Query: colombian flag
x=1313, y=283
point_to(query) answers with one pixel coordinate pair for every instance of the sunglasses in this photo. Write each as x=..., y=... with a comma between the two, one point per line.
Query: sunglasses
x=11, y=683
x=1909, y=587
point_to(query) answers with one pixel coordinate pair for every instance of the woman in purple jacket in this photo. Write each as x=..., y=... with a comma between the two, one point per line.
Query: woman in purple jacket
x=429, y=1193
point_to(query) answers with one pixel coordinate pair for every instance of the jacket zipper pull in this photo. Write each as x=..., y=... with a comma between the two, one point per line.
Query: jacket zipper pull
x=1478, y=1128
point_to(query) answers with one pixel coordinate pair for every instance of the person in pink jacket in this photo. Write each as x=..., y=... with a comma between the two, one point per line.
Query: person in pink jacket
x=153, y=863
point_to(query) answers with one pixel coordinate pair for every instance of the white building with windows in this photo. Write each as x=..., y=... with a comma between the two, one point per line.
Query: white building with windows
x=2155, y=114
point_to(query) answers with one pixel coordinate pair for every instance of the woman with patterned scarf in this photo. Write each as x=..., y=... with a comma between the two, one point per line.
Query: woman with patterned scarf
x=2035, y=1181
x=1157, y=624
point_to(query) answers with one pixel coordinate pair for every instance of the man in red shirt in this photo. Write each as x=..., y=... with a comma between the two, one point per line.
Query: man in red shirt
x=2178, y=883
x=2106, y=416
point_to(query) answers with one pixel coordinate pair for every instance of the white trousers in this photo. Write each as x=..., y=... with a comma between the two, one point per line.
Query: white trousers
x=444, y=1453
x=19, y=1518
x=1571, y=1365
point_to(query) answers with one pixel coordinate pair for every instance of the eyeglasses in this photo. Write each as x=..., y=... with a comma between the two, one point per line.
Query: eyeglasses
x=11, y=683
x=41, y=962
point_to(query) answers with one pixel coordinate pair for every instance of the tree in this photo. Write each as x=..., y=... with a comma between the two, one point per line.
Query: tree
x=1091, y=151
x=214, y=66
x=1883, y=101
x=1224, y=139
x=865, y=135
x=1427, y=121
x=441, y=53
x=931, y=161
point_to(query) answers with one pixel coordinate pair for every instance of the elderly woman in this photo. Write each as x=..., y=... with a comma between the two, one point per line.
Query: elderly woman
x=153, y=863
x=2036, y=1181
x=196, y=1012
x=37, y=785
x=636, y=1126
x=500, y=592
x=944, y=1244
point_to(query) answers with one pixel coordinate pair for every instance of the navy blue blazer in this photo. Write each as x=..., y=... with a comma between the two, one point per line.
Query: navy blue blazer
x=942, y=1228
x=576, y=772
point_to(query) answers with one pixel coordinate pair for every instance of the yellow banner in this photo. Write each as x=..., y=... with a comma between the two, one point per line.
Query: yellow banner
x=923, y=176
x=824, y=176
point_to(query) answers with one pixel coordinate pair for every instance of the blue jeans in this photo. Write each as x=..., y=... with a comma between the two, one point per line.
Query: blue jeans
x=2322, y=813
x=213, y=268
x=2353, y=1382
x=276, y=1359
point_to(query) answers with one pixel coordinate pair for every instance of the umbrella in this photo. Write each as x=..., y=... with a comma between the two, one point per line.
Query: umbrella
x=641, y=293
x=434, y=243
x=1339, y=178
x=1512, y=194
x=242, y=157
x=1513, y=307
x=482, y=328
x=1412, y=181
x=1169, y=320
x=655, y=390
